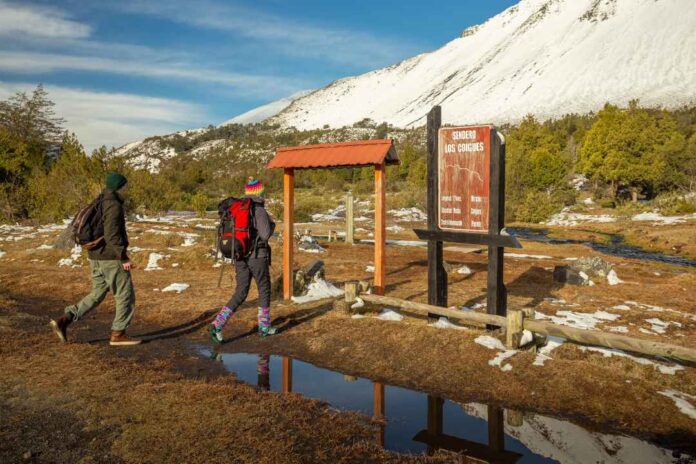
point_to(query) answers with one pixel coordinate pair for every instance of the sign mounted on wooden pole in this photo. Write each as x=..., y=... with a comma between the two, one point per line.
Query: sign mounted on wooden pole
x=466, y=203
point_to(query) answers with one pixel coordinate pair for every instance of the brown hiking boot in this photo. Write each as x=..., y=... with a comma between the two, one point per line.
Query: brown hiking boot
x=60, y=327
x=119, y=338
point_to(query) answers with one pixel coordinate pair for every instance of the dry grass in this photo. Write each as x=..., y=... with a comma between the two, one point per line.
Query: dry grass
x=141, y=410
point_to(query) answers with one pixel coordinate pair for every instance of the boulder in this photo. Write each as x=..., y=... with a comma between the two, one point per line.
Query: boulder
x=593, y=266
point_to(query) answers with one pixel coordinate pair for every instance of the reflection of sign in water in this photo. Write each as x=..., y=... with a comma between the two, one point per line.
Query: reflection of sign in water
x=464, y=178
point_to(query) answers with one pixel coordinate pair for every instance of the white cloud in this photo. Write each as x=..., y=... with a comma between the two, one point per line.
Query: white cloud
x=113, y=119
x=39, y=21
x=248, y=84
x=287, y=35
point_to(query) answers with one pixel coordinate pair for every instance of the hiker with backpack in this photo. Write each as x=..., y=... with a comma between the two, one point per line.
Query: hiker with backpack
x=101, y=229
x=245, y=228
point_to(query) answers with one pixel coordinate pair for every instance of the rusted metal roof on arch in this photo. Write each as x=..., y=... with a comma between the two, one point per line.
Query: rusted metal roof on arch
x=331, y=155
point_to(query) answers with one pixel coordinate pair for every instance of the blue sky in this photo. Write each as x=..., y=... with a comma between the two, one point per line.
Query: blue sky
x=119, y=71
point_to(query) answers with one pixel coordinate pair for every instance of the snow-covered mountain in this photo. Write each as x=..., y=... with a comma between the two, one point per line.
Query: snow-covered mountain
x=545, y=57
x=265, y=111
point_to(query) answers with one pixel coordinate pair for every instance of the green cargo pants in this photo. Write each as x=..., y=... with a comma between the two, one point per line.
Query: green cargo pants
x=108, y=275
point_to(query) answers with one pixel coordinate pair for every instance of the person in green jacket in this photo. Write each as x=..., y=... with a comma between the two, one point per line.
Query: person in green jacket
x=110, y=268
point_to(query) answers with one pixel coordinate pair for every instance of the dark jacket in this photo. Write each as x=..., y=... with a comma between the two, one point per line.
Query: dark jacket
x=264, y=226
x=115, y=246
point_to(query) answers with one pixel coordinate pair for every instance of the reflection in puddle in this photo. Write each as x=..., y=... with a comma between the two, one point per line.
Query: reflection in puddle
x=416, y=422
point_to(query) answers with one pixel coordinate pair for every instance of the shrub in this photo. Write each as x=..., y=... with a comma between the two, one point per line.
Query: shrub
x=537, y=207
x=675, y=205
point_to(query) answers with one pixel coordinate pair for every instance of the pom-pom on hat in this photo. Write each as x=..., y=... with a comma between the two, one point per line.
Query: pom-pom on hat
x=254, y=187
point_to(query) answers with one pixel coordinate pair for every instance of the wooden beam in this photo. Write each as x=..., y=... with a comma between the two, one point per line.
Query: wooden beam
x=288, y=230
x=421, y=308
x=380, y=229
x=611, y=340
x=509, y=241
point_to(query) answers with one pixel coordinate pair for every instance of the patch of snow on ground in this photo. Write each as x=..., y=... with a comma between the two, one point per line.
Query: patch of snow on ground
x=609, y=352
x=178, y=288
x=388, y=314
x=659, y=219
x=522, y=255
x=395, y=229
x=444, y=323
x=622, y=307
x=660, y=326
x=683, y=402
x=408, y=215
x=567, y=218
x=318, y=289
x=189, y=240
x=613, y=278
x=370, y=269
x=586, y=321
x=359, y=303
x=543, y=353
x=75, y=255
x=45, y=247
x=2, y=253
x=152, y=262
x=464, y=270
x=493, y=343
x=358, y=316
x=408, y=243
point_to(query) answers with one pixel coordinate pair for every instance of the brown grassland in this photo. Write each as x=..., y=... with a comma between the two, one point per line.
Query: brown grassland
x=161, y=402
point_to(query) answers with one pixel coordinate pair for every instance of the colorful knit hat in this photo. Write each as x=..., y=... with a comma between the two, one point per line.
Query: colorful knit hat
x=253, y=187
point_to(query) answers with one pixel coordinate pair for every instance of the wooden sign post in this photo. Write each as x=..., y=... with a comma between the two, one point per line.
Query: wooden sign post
x=466, y=203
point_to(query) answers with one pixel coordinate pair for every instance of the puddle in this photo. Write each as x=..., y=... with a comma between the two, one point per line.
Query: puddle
x=615, y=246
x=415, y=422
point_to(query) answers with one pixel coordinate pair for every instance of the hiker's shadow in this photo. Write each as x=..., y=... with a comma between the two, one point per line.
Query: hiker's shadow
x=173, y=331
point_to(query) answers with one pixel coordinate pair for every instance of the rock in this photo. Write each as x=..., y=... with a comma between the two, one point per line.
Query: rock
x=567, y=275
x=592, y=266
x=27, y=455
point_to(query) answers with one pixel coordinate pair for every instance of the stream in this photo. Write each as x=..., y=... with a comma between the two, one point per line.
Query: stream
x=615, y=247
x=419, y=423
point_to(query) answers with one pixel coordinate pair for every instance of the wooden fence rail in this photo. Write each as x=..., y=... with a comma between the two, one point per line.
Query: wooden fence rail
x=587, y=337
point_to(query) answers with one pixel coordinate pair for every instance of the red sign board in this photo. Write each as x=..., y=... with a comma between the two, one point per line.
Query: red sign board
x=464, y=157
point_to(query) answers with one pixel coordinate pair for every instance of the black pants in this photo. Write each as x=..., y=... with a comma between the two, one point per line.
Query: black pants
x=258, y=268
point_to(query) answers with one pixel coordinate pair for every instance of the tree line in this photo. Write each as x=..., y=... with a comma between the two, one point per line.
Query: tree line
x=627, y=155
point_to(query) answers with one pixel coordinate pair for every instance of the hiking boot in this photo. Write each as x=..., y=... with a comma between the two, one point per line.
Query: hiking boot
x=119, y=338
x=215, y=335
x=60, y=327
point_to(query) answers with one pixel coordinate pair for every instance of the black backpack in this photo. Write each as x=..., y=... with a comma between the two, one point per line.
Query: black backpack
x=88, y=225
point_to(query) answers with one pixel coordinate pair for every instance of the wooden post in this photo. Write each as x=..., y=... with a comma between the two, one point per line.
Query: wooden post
x=380, y=229
x=350, y=223
x=497, y=296
x=437, y=277
x=287, y=374
x=288, y=233
x=351, y=292
x=515, y=326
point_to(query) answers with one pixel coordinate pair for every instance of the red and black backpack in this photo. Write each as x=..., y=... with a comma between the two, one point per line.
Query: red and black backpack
x=236, y=228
